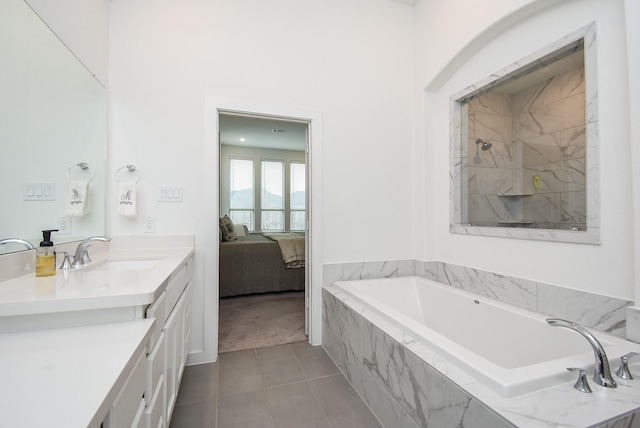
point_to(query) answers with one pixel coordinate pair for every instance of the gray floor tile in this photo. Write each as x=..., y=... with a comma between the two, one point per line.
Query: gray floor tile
x=279, y=365
x=199, y=383
x=239, y=372
x=295, y=406
x=341, y=403
x=201, y=414
x=246, y=410
x=314, y=360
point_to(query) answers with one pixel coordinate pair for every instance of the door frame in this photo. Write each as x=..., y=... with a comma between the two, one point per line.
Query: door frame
x=215, y=106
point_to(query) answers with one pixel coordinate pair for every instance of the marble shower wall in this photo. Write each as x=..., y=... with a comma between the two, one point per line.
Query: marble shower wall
x=603, y=313
x=538, y=131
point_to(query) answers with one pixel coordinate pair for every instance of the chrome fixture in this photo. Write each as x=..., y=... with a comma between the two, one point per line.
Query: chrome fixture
x=66, y=262
x=581, y=384
x=623, y=370
x=81, y=257
x=27, y=244
x=485, y=144
x=602, y=373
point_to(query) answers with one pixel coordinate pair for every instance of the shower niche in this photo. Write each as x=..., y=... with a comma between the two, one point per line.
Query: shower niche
x=524, y=147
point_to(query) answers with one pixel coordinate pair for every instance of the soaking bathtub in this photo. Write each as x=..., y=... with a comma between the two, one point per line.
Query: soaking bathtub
x=511, y=350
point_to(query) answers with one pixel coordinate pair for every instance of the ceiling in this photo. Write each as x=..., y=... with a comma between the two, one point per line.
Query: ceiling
x=261, y=132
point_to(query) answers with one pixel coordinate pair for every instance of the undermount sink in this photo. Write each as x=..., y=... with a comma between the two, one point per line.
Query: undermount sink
x=111, y=265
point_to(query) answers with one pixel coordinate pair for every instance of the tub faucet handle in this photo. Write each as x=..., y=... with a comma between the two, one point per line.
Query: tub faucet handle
x=623, y=370
x=581, y=384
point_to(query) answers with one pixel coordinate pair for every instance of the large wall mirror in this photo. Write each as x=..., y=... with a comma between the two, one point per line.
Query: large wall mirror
x=52, y=117
x=524, y=148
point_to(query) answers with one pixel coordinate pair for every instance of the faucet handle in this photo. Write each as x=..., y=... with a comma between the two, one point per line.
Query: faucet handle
x=623, y=370
x=66, y=263
x=581, y=384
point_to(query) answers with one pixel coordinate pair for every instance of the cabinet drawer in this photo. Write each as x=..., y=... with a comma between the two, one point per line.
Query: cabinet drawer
x=158, y=311
x=155, y=409
x=155, y=367
x=175, y=288
x=140, y=421
x=126, y=405
x=189, y=269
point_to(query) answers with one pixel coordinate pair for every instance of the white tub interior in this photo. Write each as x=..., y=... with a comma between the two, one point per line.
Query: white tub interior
x=511, y=350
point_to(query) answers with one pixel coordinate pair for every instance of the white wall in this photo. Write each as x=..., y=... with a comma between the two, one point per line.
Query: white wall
x=350, y=60
x=507, y=34
x=83, y=26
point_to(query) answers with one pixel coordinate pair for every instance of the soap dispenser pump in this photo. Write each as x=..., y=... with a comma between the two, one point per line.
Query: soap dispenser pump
x=46, y=255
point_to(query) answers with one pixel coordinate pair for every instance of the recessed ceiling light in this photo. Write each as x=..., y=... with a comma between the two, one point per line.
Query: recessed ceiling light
x=242, y=139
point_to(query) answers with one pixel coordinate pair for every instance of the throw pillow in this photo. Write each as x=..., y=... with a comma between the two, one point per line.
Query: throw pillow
x=228, y=231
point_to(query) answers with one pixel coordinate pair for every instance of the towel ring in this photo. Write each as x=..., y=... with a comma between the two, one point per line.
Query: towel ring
x=83, y=166
x=130, y=168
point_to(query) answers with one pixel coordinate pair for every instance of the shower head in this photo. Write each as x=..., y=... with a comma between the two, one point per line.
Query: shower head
x=485, y=144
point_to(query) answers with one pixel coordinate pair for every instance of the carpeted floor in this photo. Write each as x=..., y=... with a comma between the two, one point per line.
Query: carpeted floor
x=261, y=320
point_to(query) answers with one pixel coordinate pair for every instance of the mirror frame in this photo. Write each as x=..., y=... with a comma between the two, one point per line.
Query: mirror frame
x=458, y=158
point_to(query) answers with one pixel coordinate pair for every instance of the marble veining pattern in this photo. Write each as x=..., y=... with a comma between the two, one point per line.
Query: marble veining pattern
x=402, y=376
x=545, y=135
x=604, y=313
x=456, y=399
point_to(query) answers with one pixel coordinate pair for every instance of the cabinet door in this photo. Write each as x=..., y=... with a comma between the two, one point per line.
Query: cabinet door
x=186, y=325
x=155, y=368
x=171, y=346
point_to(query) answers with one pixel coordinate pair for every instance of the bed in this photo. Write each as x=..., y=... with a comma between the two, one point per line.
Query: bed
x=254, y=264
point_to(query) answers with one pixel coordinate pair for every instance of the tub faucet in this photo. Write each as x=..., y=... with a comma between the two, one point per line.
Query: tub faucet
x=81, y=256
x=602, y=373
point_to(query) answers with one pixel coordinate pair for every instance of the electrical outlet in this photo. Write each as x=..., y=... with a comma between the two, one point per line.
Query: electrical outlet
x=149, y=224
x=64, y=226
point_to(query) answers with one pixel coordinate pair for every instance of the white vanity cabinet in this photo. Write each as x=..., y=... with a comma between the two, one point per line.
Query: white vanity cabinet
x=168, y=347
x=128, y=408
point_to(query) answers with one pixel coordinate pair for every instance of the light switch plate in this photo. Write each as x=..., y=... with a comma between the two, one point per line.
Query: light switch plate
x=39, y=192
x=170, y=194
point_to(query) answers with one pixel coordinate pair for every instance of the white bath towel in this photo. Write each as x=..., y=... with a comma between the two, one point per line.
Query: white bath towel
x=127, y=199
x=77, y=198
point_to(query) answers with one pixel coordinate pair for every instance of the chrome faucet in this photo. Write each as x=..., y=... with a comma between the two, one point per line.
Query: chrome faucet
x=17, y=241
x=602, y=373
x=81, y=257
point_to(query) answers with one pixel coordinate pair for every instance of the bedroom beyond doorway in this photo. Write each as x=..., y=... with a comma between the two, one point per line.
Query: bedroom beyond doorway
x=263, y=213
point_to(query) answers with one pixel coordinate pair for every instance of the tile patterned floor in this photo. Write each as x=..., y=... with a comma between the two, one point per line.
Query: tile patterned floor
x=295, y=385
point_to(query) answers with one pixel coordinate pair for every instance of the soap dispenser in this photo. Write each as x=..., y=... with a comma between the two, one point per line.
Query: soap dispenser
x=46, y=255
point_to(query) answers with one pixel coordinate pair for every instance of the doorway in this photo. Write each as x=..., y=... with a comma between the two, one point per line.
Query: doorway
x=263, y=227
x=211, y=159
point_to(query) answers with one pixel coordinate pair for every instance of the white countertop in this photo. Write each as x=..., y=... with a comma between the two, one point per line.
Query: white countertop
x=88, y=289
x=66, y=377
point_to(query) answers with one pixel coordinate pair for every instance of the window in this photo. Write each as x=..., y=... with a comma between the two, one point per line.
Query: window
x=297, y=196
x=272, y=196
x=241, y=204
x=267, y=195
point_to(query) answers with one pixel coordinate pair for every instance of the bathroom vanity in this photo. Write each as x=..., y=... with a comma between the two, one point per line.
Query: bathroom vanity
x=103, y=345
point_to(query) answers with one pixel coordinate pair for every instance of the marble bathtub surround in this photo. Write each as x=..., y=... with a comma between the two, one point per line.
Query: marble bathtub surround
x=603, y=313
x=408, y=385
x=533, y=182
